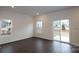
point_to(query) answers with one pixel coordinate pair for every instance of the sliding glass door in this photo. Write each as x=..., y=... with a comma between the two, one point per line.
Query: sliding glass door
x=61, y=30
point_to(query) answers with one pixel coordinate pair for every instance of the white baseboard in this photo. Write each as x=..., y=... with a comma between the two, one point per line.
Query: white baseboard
x=9, y=41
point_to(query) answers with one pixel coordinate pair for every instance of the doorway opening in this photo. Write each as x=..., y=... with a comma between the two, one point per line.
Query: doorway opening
x=61, y=30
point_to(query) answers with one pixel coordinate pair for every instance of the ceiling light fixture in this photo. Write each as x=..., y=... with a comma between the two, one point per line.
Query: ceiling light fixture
x=37, y=13
x=12, y=6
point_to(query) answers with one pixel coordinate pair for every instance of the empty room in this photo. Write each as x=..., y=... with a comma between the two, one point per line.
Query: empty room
x=39, y=29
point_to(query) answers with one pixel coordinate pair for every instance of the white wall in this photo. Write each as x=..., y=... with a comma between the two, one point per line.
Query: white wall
x=72, y=14
x=22, y=26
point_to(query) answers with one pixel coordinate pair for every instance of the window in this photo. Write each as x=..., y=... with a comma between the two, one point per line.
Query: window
x=5, y=27
x=39, y=26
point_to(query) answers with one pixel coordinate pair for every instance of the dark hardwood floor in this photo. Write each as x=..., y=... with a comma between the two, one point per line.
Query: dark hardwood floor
x=37, y=45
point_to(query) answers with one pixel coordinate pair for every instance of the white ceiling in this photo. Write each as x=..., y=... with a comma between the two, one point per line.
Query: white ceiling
x=32, y=10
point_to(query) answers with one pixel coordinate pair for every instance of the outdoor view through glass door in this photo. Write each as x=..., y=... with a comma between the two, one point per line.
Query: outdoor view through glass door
x=61, y=30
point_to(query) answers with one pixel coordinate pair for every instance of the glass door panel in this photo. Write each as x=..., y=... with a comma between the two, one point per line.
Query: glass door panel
x=65, y=30
x=56, y=30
